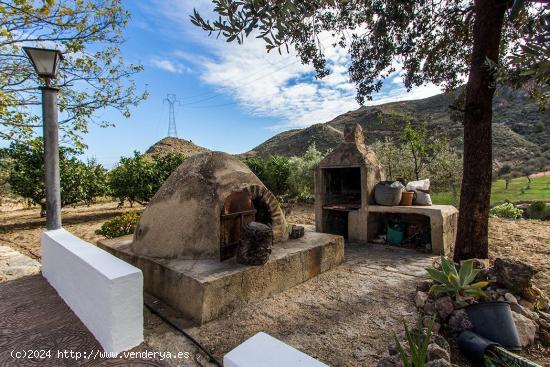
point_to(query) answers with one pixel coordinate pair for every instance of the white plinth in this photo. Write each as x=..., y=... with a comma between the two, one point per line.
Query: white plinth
x=105, y=292
x=263, y=350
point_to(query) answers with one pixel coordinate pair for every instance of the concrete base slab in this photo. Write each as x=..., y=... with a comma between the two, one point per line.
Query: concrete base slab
x=202, y=290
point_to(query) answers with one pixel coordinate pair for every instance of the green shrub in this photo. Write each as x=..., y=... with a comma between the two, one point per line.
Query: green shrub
x=538, y=210
x=138, y=178
x=506, y=210
x=122, y=225
x=272, y=171
x=418, y=342
x=300, y=180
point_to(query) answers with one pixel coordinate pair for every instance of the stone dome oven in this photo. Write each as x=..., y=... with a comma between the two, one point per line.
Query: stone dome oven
x=199, y=211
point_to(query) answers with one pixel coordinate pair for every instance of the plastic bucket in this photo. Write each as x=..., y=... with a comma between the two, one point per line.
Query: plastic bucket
x=394, y=234
x=493, y=321
x=407, y=198
x=473, y=346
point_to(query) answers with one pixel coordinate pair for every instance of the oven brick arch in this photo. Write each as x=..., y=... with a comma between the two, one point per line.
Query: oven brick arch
x=278, y=222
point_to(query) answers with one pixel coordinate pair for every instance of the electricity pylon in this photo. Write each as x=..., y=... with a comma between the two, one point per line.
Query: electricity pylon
x=172, y=100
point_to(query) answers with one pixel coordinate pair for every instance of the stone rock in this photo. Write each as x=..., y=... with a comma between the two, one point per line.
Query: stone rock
x=544, y=315
x=544, y=303
x=516, y=307
x=459, y=322
x=444, y=307
x=429, y=308
x=536, y=296
x=420, y=299
x=389, y=361
x=442, y=342
x=526, y=327
x=492, y=295
x=532, y=294
x=544, y=324
x=424, y=286
x=528, y=305
x=502, y=291
x=510, y=298
x=435, y=352
x=426, y=320
x=439, y=363
x=544, y=337
x=514, y=274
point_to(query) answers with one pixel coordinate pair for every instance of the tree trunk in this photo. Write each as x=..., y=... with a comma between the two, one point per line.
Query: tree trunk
x=473, y=219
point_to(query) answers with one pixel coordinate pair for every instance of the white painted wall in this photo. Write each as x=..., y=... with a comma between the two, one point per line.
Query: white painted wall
x=105, y=292
x=263, y=350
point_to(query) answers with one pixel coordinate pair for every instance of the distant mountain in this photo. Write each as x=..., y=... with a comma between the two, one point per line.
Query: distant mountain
x=171, y=145
x=521, y=133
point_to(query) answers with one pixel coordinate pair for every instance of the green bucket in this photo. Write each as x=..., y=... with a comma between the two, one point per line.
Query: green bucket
x=394, y=234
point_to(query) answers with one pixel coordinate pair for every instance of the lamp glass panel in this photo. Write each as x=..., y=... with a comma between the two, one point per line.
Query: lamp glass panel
x=45, y=62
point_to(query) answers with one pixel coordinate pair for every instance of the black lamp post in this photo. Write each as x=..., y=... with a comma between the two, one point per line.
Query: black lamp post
x=46, y=63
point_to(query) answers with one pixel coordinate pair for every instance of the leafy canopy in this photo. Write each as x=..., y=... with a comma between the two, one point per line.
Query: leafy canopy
x=92, y=76
x=80, y=182
x=138, y=178
x=430, y=40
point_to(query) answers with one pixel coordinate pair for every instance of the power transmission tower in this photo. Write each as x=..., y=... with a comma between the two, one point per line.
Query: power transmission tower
x=172, y=100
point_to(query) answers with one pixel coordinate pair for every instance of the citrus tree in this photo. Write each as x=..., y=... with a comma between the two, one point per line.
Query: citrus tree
x=136, y=179
x=80, y=182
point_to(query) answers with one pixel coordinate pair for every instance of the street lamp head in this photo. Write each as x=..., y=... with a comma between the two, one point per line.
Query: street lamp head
x=45, y=61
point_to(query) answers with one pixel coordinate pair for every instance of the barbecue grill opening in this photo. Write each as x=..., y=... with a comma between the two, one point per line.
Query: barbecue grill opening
x=343, y=187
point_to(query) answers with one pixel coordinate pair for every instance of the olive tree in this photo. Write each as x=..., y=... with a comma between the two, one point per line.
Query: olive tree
x=92, y=76
x=432, y=41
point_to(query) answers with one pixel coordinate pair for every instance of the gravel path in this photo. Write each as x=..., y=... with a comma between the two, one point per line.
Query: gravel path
x=344, y=317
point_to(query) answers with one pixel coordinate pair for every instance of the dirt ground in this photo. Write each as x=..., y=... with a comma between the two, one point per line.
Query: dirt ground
x=21, y=228
x=344, y=317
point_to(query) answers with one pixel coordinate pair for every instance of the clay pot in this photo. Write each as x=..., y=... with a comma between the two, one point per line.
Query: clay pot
x=407, y=198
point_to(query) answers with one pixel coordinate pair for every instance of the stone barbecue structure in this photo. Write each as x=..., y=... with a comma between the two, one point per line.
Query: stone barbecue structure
x=187, y=238
x=344, y=197
x=344, y=184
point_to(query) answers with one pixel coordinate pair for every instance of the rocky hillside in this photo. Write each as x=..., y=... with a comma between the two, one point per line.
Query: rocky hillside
x=521, y=133
x=171, y=145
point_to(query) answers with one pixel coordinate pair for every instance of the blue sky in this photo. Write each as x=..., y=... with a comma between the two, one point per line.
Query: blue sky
x=233, y=97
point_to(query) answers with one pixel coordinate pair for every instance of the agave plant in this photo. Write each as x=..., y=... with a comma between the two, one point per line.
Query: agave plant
x=418, y=346
x=458, y=284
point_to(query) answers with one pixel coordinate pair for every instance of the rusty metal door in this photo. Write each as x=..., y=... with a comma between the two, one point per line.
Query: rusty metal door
x=237, y=211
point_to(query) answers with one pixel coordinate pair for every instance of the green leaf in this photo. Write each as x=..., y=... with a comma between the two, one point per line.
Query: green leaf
x=480, y=285
x=465, y=271
x=437, y=276
x=402, y=353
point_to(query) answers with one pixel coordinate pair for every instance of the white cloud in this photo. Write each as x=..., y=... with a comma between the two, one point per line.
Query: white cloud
x=269, y=84
x=169, y=66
